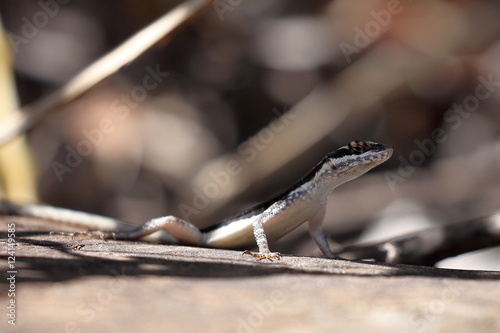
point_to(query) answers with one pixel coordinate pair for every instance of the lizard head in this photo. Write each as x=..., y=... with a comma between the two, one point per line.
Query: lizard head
x=353, y=160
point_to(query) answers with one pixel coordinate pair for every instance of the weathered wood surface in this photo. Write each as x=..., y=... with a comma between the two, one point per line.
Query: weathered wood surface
x=69, y=284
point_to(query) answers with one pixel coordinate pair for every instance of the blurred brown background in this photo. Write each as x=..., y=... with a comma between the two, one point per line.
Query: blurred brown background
x=191, y=127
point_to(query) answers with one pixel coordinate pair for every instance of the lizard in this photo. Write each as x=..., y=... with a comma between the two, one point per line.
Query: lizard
x=305, y=201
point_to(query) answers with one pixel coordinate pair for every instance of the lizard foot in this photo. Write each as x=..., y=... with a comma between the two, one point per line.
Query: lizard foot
x=90, y=234
x=264, y=255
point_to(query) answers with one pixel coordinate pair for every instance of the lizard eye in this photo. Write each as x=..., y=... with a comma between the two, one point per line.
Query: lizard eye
x=359, y=147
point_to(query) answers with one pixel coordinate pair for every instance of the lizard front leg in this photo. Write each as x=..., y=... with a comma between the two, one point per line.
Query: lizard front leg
x=318, y=235
x=261, y=240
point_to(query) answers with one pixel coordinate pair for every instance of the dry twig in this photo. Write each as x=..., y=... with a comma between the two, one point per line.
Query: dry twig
x=101, y=69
